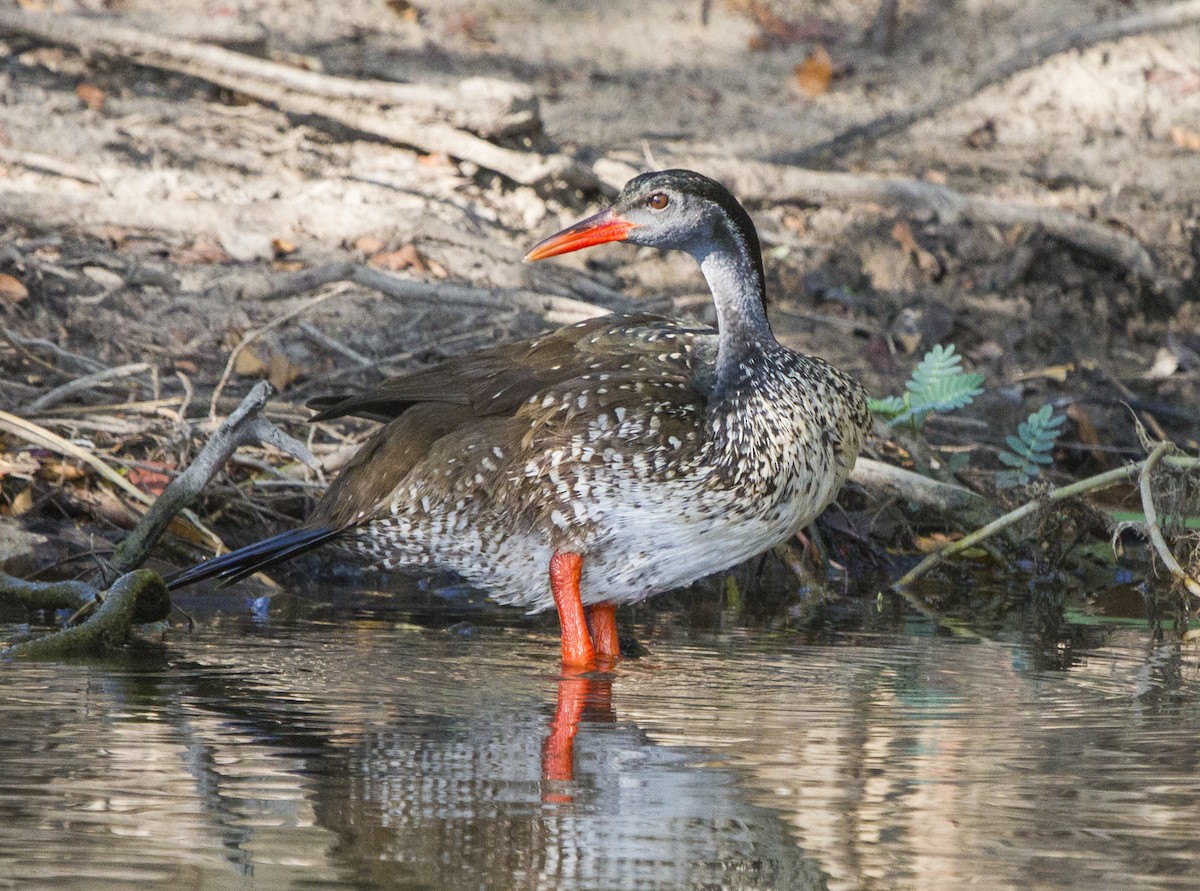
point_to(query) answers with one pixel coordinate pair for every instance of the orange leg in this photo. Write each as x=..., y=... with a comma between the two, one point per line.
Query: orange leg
x=602, y=623
x=577, y=650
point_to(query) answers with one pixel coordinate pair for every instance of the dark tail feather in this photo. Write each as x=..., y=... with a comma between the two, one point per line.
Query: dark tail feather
x=236, y=565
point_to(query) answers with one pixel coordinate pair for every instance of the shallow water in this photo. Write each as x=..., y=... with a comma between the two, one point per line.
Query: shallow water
x=356, y=747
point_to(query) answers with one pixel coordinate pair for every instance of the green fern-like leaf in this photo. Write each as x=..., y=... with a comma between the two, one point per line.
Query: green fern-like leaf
x=1030, y=448
x=938, y=383
x=889, y=406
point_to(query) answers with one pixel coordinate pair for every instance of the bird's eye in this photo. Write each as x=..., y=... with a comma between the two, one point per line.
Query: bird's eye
x=658, y=201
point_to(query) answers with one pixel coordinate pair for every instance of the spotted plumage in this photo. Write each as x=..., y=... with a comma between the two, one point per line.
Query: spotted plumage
x=658, y=451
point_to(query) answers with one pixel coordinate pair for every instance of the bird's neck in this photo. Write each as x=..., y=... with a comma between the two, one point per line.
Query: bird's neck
x=735, y=278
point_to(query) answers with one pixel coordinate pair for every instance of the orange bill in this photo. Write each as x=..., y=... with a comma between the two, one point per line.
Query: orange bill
x=603, y=227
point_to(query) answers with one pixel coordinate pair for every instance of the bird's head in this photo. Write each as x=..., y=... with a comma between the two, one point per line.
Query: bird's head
x=669, y=209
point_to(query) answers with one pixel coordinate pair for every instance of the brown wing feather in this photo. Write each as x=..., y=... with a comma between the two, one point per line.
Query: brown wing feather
x=498, y=380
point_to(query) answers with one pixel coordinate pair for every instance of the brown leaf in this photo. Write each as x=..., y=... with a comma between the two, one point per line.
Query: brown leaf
x=61, y=471
x=935, y=541
x=926, y=261
x=11, y=289
x=249, y=364
x=1186, y=139
x=282, y=371
x=150, y=480
x=814, y=73
x=201, y=251
x=91, y=96
x=22, y=503
x=369, y=244
x=282, y=247
x=406, y=257
x=405, y=10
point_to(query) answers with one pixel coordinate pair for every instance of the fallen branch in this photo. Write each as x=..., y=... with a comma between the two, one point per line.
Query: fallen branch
x=888, y=481
x=256, y=285
x=1081, y=487
x=401, y=113
x=1164, y=18
x=757, y=181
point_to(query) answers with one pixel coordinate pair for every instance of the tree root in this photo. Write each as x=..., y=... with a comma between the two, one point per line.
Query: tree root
x=136, y=598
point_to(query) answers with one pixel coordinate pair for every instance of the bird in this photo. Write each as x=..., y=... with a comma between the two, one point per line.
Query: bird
x=600, y=463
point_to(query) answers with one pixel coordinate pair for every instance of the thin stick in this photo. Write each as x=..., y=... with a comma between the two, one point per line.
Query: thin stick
x=59, y=394
x=1152, y=528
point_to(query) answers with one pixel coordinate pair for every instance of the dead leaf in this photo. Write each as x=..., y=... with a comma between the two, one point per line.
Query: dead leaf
x=249, y=364
x=11, y=289
x=61, y=471
x=282, y=371
x=813, y=75
x=22, y=503
x=18, y=465
x=91, y=96
x=105, y=278
x=405, y=10
x=435, y=159
x=1186, y=139
x=982, y=137
x=1050, y=372
x=150, y=478
x=282, y=247
x=288, y=265
x=201, y=251
x=406, y=257
x=935, y=541
x=903, y=235
x=369, y=244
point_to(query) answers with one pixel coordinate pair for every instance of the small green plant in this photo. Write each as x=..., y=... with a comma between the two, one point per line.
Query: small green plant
x=938, y=383
x=1031, y=448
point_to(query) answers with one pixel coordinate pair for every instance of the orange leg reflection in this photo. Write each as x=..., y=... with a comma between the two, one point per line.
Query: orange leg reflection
x=578, y=696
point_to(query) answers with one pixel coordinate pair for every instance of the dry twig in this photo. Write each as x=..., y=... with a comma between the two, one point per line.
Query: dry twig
x=1153, y=530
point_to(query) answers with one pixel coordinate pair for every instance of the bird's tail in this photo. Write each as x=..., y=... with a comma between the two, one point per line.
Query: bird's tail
x=236, y=565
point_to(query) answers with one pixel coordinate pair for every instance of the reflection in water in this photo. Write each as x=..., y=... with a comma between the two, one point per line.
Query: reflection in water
x=362, y=753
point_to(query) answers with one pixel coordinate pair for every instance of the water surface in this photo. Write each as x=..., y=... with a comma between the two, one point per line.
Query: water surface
x=363, y=747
